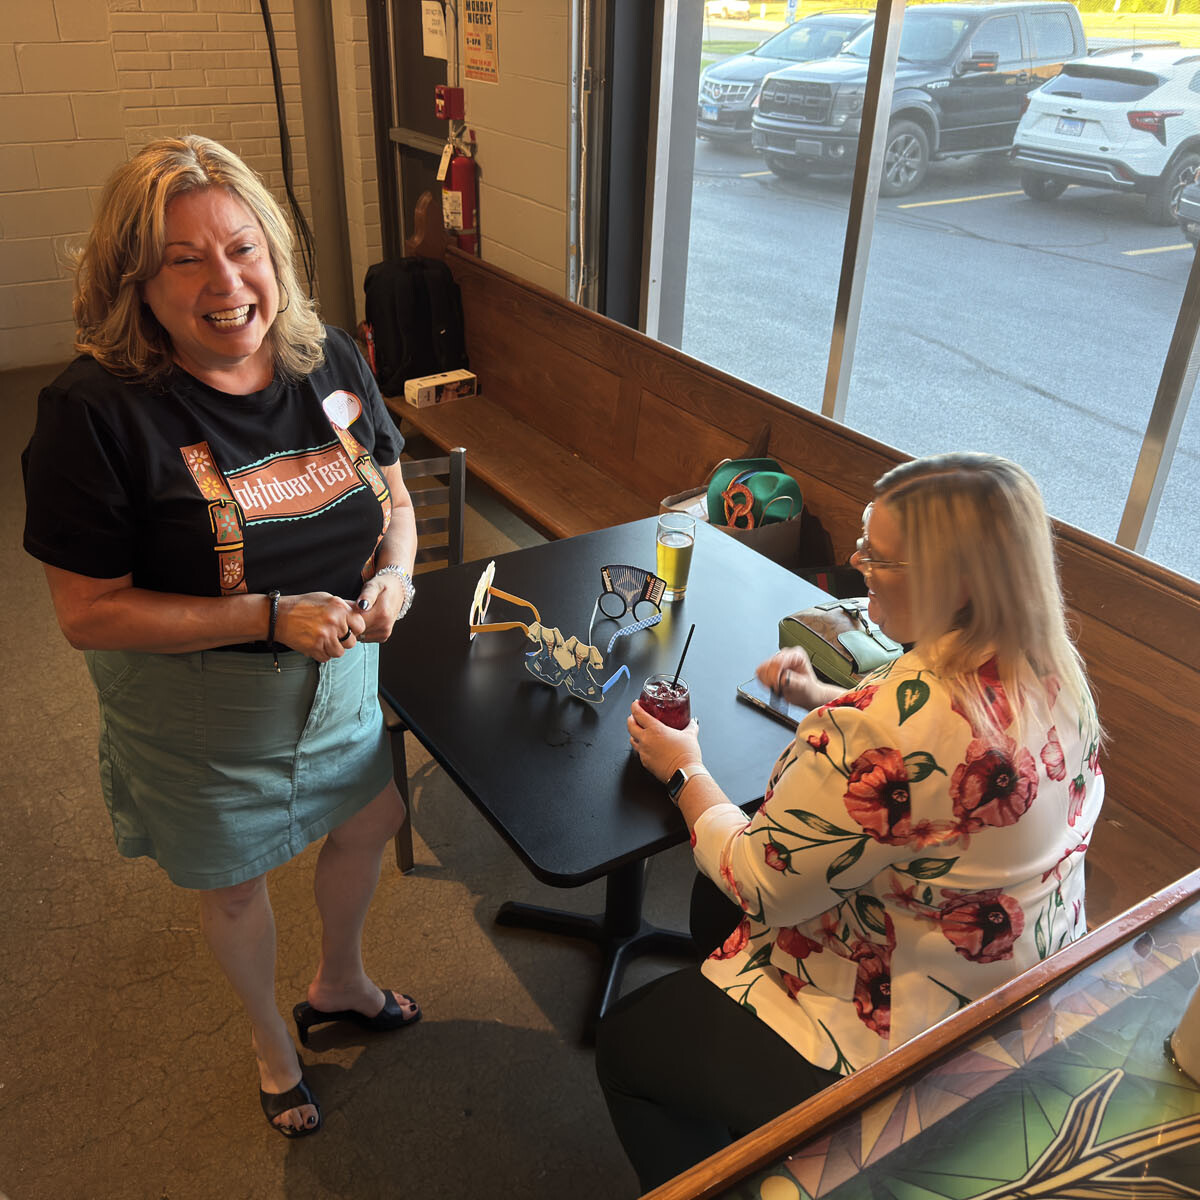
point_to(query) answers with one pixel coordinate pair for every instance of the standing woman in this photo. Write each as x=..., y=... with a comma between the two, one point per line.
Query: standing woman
x=920, y=843
x=213, y=488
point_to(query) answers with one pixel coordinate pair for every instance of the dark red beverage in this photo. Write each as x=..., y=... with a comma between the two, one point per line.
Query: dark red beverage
x=670, y=703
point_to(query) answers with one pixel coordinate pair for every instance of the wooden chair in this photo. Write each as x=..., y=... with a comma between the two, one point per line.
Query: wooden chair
x=439, y=540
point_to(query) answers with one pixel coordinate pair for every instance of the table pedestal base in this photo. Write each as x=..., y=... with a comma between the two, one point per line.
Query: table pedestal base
x=620, y=931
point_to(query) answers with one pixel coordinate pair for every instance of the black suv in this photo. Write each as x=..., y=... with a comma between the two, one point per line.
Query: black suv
x=962, y=74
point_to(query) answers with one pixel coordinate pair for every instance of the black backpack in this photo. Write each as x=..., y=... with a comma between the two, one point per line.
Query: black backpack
x=414, y=321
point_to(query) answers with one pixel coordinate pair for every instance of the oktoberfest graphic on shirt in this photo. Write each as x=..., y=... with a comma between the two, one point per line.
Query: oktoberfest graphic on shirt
x=194, y=491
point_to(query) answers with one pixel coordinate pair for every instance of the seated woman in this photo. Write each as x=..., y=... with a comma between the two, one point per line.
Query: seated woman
x=920, y=843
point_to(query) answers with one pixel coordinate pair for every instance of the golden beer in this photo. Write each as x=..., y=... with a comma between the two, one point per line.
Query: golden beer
x=674, y=557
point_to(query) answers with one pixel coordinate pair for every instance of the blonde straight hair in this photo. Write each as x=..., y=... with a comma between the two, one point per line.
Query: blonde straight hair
x=983, y=581
x=125, y=248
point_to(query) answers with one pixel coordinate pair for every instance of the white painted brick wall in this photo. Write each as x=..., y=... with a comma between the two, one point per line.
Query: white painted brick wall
x=84, y=83
x=521, y=127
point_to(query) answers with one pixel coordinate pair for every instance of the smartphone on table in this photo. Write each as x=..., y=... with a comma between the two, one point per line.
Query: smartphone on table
x=755, y=692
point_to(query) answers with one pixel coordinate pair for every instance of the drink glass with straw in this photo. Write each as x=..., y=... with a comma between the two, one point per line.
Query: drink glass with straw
x=668, y=699
x=675, y=540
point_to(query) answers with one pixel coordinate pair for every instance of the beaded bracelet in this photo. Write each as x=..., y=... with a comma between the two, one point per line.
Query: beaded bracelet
x=274, y=599
x=409, y=588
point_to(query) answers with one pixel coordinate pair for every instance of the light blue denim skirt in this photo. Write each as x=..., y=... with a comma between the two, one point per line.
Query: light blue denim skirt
x=220, y=768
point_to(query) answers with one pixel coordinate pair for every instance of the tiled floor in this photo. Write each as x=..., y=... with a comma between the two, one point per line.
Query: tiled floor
x=125, y=1066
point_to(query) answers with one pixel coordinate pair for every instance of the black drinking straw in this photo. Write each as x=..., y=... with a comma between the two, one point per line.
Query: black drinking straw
x=681, y=657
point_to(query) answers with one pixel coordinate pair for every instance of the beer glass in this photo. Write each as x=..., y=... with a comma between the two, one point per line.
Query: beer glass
x=676, y=538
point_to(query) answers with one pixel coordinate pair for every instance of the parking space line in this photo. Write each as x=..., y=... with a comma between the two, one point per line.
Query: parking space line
x=754, y=174
x=1158, y=249
x=959, y=199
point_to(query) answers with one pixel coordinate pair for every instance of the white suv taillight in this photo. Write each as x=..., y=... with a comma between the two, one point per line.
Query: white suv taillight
x=1154, y=121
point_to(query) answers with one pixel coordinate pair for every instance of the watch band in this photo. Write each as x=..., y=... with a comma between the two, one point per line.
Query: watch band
x=682, y=778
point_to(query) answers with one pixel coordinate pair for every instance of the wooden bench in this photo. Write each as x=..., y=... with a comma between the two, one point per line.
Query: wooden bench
x=583, y=423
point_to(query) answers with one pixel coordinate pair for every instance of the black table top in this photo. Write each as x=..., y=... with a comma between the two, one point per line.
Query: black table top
x=554, y=774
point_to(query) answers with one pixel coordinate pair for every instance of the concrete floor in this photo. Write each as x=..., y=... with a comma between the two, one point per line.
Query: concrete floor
x=125, y=1064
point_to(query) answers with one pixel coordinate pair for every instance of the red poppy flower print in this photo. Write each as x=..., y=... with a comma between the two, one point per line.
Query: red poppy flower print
x=981, y=925
x=873, y=987
x=860, y=698
x=1076, y=793
x=735, y=941
x=1055, y=870
x=731, y=883
x=791, y=941
x=1052, y=756
x=994, y=698
x=877, y=795
x=792, y=983
x=776, y=856
x=818, y=742
x=994, y=786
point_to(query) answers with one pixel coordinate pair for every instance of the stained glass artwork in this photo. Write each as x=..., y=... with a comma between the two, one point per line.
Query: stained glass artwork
x=1070, y=1098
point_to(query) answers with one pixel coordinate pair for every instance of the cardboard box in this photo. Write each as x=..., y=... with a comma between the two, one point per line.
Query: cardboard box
x=437, y=389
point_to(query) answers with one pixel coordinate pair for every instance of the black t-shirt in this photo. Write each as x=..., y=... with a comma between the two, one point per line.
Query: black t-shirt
x=195, y=491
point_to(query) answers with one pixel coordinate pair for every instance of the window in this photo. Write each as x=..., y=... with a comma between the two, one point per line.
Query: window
x=1052, y=36
x=1082, y=81
x=927, y=36
x=999, y=311
x=1000, y=36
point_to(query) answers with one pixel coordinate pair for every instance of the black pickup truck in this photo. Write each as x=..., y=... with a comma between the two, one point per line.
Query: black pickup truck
x=962, y=74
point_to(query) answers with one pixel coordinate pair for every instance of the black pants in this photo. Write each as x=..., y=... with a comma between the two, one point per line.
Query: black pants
x=685, y=1069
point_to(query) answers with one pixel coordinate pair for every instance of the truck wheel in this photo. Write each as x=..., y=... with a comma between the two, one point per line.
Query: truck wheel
x=1042, y=187
x=783, y=168
x=905, y=159
x=1162, y=200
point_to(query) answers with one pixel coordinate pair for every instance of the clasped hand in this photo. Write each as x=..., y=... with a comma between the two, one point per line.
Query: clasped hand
x=662, y=750
x=317, y=623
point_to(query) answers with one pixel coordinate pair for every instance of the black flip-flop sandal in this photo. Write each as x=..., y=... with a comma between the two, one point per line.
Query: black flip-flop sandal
x=390, y=1017
x=275, y=1104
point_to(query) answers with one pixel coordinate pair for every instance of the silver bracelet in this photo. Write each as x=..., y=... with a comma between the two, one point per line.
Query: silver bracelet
x=409, y=587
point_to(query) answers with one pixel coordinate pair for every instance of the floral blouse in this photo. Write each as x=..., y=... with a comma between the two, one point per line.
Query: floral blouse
x=901, y=865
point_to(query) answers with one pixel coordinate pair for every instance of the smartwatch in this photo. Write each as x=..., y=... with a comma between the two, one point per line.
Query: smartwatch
x=679, y=780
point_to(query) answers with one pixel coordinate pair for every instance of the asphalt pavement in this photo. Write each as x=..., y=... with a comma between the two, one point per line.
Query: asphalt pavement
x=989, y=322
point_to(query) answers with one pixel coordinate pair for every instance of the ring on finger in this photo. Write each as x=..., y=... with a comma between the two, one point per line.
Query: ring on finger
x=345, y=636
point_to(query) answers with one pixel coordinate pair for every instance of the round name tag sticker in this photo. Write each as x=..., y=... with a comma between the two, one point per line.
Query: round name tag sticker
x=342, y=408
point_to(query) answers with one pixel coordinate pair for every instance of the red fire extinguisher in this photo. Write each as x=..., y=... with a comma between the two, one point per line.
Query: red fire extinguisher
x=460, y=179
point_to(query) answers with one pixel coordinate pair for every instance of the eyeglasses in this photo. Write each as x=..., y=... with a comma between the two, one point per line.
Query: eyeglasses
x=482, y=602
x=628, y=589
x=556, y=659
x=866, y=562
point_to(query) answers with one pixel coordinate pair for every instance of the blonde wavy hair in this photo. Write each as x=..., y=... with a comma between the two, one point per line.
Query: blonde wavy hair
x=125, y=248
x=983, y=581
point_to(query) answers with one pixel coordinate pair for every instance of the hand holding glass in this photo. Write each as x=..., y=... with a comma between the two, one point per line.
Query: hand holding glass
x=667, y=700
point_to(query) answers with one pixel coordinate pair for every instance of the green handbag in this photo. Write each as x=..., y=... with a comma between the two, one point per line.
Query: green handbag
x=842, y=642
x=747, y=492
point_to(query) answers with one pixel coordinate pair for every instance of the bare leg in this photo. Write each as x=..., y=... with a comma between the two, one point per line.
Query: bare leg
x=239, y=927
x=347, y=872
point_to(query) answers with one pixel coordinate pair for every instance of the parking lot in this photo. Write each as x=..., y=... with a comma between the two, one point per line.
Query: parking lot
x=989, y=321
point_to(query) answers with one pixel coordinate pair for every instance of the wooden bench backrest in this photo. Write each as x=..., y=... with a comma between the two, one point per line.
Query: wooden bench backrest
x=656, y=421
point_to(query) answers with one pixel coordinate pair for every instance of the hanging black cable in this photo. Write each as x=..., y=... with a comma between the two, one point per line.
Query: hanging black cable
x=303, y=233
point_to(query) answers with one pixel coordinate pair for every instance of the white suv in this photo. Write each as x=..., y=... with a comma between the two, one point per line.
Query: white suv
x=1127, y=120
